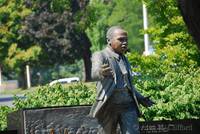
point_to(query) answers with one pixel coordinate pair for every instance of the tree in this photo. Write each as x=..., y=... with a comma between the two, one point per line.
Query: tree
x=190, y=10
x=127, y=14
x=168, y=27
x=59, y=28
x=15, y=51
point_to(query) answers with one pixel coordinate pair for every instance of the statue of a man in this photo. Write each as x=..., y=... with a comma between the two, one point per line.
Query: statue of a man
x=117, y=99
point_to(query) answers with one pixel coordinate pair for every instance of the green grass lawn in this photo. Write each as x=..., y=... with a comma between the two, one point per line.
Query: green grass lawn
x=17, y=91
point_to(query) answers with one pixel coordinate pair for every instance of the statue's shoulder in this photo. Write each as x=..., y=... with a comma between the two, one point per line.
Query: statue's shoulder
x=101, y=53
x=105, y=52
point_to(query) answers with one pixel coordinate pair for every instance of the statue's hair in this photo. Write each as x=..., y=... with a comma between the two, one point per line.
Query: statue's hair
x=109, y=34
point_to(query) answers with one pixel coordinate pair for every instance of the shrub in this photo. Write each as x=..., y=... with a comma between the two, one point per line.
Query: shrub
x=171, y=77
x=57, y=95
x=4, y=110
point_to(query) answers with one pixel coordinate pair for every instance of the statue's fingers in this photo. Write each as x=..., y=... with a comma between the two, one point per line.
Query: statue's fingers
x=107, y=69
x=104, y=65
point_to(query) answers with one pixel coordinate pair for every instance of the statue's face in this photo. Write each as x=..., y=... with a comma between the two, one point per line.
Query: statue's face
x=119, y=41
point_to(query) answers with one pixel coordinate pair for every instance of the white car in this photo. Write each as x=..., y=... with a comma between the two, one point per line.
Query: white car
x=65, y=80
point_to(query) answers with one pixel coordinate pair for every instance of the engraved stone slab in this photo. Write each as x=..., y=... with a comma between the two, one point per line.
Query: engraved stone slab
x=75, y=120
x=54, y=120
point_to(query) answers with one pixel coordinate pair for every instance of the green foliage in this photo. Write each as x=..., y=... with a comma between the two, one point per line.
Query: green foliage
x=4, y=110
x=58, y=27
x=127, y=14
x=15, y=51
x=168, y=27
x=44, y=75
x=2, y=2
x=57, y=95
x=171, y=77
x=42, y=33
x=17, y=56
x=60, y=5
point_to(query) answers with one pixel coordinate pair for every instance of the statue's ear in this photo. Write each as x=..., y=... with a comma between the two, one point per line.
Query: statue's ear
x=108, y=41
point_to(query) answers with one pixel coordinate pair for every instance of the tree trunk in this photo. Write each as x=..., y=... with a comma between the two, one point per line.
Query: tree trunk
x=86, y=57
x=77, y=6
x=190, y=12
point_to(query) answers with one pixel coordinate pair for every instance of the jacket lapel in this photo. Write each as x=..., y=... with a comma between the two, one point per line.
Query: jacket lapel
x=112, y=62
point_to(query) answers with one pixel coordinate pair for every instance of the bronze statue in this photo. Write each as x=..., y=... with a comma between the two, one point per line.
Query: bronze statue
x=117, y=99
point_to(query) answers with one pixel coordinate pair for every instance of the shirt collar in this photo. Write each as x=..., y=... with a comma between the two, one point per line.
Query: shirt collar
x=113, y=53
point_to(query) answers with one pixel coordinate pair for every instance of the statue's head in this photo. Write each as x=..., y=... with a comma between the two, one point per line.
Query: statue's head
x=117, y=39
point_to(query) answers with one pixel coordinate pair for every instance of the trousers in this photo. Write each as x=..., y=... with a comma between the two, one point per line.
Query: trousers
x=123, y=115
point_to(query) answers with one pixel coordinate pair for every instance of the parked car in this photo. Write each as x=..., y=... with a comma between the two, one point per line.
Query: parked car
x=65, y=80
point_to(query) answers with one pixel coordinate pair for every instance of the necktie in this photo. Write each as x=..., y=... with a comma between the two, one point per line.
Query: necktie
x=124, y=70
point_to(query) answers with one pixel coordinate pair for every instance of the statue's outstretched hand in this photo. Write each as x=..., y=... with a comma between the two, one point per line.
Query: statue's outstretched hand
x=106, y=71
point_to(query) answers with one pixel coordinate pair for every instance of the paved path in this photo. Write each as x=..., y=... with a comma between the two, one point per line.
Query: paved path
x=7, y=100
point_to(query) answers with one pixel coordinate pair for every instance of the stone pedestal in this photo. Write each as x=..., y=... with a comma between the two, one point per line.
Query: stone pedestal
x=53, y=120
x=75, y=120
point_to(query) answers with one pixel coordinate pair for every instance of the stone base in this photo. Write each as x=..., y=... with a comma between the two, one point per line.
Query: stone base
x=75, y=120
x=54, y=120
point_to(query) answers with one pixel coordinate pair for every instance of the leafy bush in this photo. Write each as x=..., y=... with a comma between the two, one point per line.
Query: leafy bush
x=57, y=95
x=4, y=110
x=171, y=77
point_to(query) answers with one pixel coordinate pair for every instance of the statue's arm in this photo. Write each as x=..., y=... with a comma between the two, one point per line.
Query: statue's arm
x=97, y=61
x=145, y=101
x=138, y=95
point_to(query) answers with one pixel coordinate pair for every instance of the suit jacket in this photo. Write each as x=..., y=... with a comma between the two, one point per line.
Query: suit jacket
x=105, y=86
